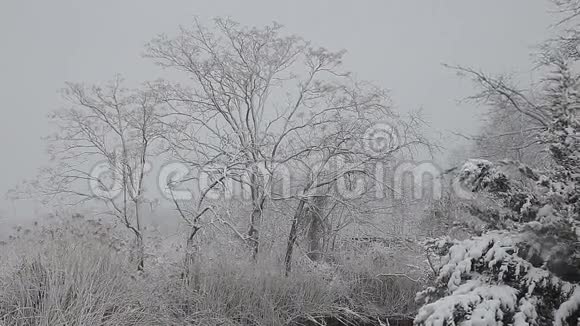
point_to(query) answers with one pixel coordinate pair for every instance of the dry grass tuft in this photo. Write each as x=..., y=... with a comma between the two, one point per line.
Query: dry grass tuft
x=69, y=279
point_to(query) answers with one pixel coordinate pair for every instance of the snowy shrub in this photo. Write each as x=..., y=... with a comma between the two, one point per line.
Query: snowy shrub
x=483, y=281
x=524, y=269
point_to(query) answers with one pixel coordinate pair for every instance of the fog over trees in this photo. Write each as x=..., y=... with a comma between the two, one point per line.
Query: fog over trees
x=257, y=181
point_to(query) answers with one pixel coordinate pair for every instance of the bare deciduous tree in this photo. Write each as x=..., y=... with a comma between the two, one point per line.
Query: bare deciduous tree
x=102, y=145
x=257, y=101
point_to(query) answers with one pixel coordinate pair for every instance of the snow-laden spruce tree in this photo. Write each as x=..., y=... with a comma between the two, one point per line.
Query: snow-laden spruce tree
x=525, y=268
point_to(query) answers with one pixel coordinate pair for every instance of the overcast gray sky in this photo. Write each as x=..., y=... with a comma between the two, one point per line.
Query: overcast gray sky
x=399, y=45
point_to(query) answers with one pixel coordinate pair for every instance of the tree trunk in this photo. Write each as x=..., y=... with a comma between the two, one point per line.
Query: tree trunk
x=140, y=244
x=292, y=238
x=258, y=201
x=191, y=251
x=140, y=252
x=254, y=233
x=316, y=229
